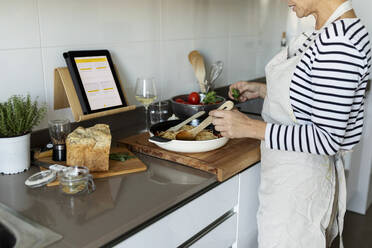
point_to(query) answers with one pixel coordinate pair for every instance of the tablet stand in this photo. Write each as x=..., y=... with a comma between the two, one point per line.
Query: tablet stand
x=65, y=96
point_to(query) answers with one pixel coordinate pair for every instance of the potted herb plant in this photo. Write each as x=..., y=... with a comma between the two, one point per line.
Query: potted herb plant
x=17, y=118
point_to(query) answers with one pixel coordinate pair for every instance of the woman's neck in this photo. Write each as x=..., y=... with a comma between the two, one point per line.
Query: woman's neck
x=325, y=9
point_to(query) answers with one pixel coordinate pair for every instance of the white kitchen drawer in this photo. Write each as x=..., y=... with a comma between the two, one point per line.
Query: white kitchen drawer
x=182, y=224
x=222, y=236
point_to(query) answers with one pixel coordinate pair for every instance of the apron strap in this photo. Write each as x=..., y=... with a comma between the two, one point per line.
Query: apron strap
x=338, y=158
x=339, y=163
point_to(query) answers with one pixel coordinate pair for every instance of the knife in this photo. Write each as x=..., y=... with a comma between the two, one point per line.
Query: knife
x=41, y=164
x=36, y=154
x=50, y=166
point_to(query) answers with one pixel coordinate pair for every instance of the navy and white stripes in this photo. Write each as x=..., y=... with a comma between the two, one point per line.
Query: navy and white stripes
x=327, y=93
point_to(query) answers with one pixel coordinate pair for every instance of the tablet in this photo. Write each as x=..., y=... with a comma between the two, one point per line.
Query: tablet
x=95, y=80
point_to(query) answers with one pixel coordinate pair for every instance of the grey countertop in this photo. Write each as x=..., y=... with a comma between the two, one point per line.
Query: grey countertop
x=121, y=205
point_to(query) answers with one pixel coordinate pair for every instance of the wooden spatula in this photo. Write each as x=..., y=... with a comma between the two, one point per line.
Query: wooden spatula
x=191, y=118
x=190, y=134
x=176, y=128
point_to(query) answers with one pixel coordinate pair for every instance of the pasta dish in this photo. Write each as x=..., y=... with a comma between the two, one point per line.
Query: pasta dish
x=203, y=135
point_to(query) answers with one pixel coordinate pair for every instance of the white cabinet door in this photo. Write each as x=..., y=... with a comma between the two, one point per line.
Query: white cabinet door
x=222, y=236
x=182, y=224
x=248, y=206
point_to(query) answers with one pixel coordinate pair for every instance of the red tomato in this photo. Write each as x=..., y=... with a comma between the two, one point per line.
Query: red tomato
x=194, y=98
x=179, y=100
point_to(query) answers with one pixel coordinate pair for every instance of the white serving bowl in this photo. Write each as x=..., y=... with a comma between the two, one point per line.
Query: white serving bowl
x=185, y=146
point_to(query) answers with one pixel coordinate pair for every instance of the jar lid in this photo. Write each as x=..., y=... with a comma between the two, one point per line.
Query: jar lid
x=40, y=179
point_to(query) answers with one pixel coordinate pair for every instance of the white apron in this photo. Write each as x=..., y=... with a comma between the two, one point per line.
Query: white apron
x=297, y=190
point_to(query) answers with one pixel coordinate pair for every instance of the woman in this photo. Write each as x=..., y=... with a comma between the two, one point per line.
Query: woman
x=313, y=110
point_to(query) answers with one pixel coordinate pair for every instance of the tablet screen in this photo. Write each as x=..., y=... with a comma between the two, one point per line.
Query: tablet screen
x=98, y=82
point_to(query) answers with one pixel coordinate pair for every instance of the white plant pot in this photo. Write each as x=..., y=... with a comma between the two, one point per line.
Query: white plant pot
x=15, y=154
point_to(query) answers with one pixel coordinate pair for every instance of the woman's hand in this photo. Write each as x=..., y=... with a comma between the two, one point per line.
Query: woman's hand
x=248, y=90
x=233, y=124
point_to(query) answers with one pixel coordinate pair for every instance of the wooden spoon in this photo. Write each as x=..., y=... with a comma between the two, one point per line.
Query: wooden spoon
x=197, y=62
x=190, y=134
x=178, y=126
x=193, y=55
x=200, y=73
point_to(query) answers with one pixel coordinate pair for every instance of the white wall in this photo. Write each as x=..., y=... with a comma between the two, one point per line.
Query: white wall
x=145, y=37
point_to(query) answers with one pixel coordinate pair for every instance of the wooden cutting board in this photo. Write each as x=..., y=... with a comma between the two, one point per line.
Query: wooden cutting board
x=235, y=156
x=115, y=168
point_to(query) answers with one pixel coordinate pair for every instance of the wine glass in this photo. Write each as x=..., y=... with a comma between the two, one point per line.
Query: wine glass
x=146, y=93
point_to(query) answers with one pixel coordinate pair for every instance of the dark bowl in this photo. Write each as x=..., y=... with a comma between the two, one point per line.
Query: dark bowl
x=183, y=111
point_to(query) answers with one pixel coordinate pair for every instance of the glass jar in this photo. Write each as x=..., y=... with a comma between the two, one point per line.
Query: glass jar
x=76, y=179
x=159, y=112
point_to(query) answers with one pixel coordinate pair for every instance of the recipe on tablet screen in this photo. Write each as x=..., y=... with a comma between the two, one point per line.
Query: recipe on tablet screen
x=98, y=82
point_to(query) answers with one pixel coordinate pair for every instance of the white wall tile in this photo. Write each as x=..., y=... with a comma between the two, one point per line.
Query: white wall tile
x=177, y=74
x=128, y=20
x=21, y=73
x=178, y=18
x=272, y=22
x=72, y=22
x=137, y=59
x=214, y=50
x=244, y=17
x=272, y=18
x=242, y=58
x=264, y=54
x=212, y=18
x=19, y=24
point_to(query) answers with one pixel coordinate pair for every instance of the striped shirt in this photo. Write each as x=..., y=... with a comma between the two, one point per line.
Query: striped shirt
x=327, y=93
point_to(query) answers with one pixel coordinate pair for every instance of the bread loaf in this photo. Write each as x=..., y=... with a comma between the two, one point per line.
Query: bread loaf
x=89, y=147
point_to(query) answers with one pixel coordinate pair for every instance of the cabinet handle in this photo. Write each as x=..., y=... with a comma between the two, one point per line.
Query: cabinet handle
x=207, y=230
